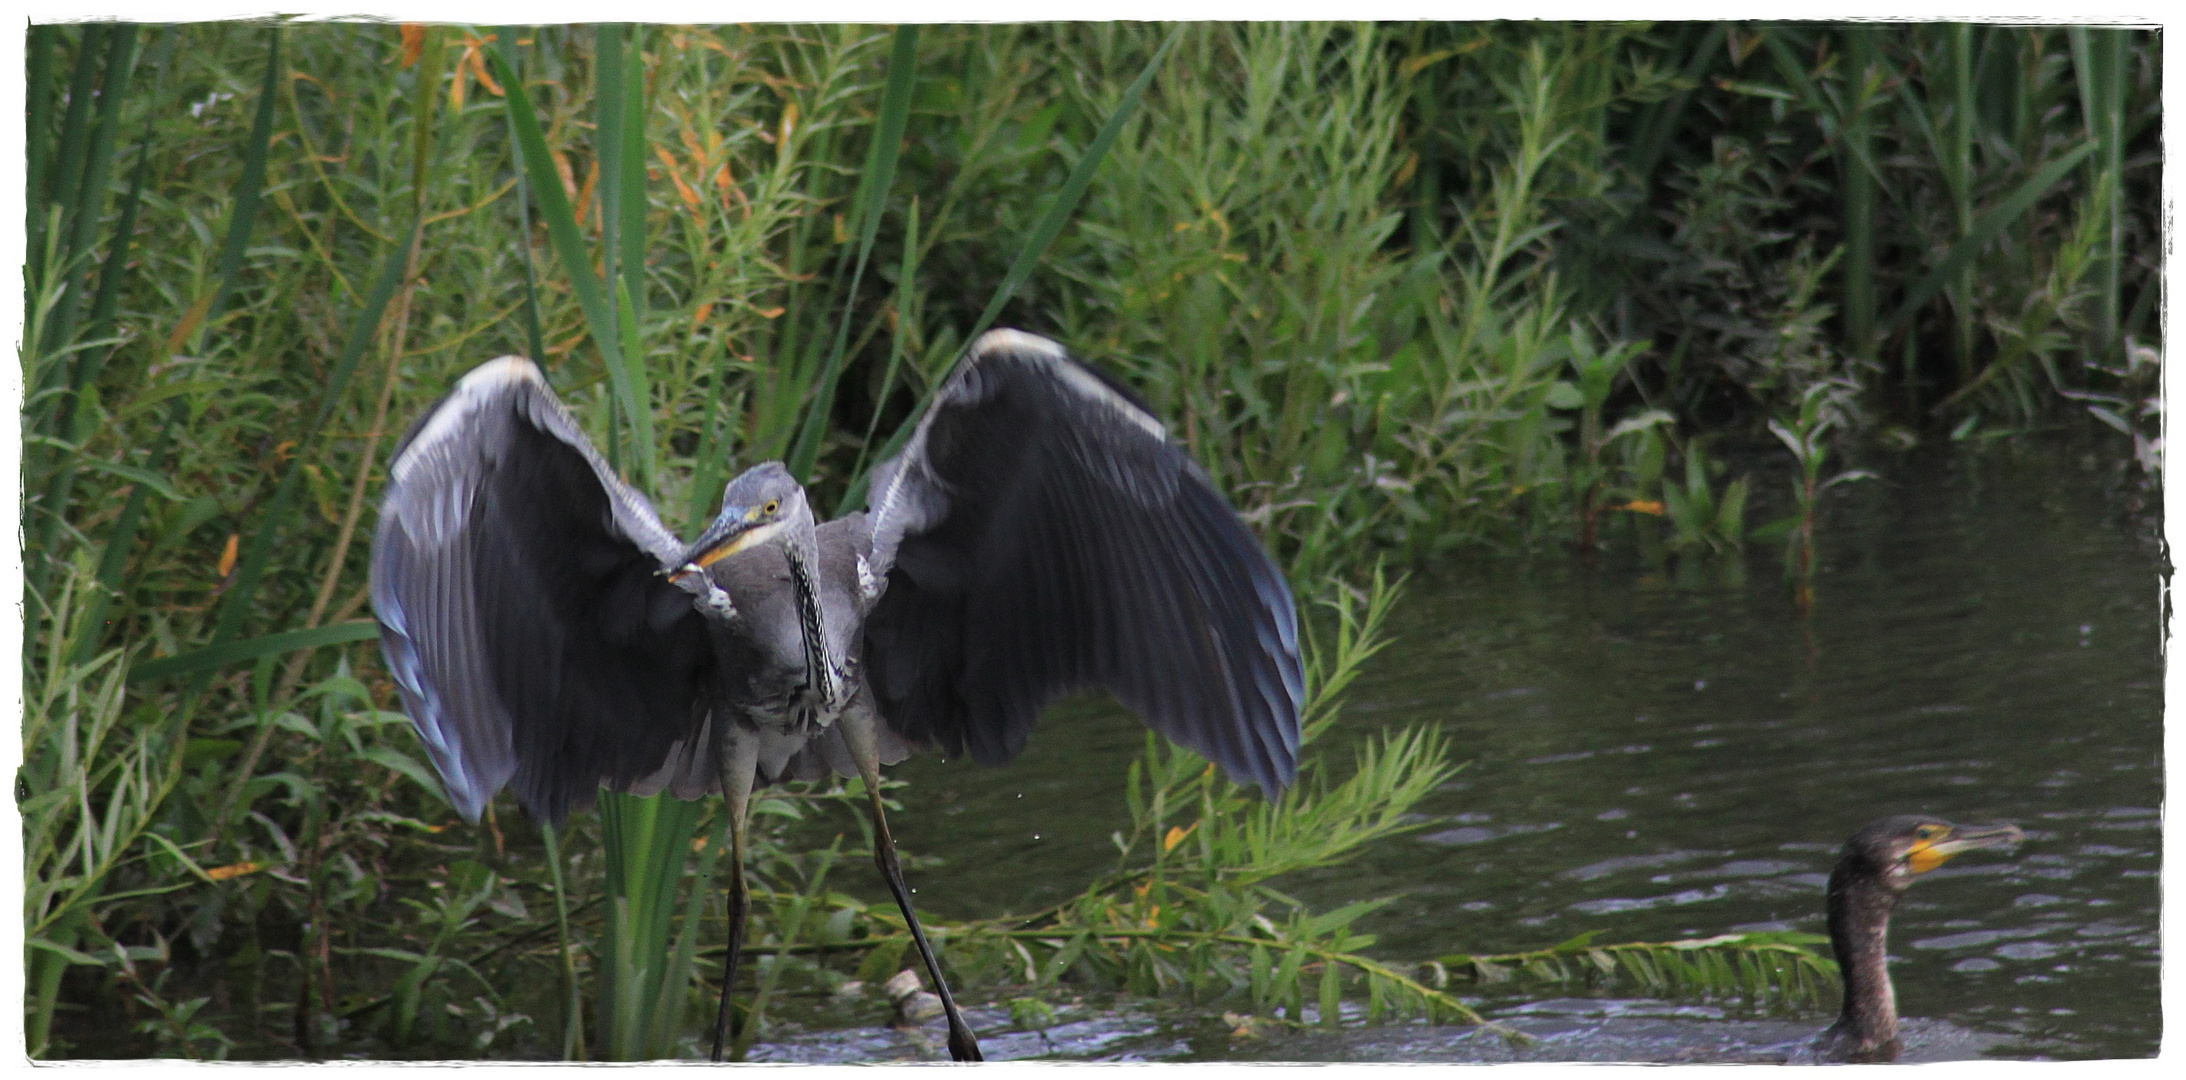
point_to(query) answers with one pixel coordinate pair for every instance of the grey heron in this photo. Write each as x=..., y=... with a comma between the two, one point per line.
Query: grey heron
x=1039, y=532
x=1874, y=868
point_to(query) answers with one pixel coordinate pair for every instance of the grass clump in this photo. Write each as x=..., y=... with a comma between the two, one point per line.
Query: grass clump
x=1406, y=292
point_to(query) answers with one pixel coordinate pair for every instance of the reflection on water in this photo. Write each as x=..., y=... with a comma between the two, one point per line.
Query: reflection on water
x=1667, y=754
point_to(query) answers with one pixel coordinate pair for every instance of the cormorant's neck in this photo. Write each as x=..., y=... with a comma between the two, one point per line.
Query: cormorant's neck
x=1859, y=920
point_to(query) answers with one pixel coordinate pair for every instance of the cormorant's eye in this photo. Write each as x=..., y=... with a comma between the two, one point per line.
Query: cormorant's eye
x=774, y=506
x=1928, y=832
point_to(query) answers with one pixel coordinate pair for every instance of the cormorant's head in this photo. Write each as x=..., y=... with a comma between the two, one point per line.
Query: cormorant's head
x=1895, y=850
x=763, y=504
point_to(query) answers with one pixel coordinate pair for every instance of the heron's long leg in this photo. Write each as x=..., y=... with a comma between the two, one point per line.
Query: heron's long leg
x=739, y=768
x=859, y=737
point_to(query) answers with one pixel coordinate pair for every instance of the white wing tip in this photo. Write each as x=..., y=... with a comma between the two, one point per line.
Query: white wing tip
x=455, y=411
x=994, y=340
x=1070, y=372
x=504, y=369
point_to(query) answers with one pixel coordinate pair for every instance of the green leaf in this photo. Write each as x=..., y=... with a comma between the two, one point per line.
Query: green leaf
x=216, y=656
x=1563, y=395
x=1754, y=89
x=1985, y=229
x=199, y=751
x=1730, y=518
x=73, y=956
x=1343, y=916
x=1645, y=420
x=407, y=766
x=160, y=485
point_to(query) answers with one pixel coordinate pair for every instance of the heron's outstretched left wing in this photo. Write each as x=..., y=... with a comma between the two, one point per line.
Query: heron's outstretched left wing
x=1039, y=533
x=521, y=607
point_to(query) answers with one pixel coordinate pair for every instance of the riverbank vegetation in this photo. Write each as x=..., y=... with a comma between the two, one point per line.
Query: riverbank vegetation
x=1408, y=292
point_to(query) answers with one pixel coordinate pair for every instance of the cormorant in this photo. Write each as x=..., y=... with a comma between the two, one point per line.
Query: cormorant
x=1873, y=870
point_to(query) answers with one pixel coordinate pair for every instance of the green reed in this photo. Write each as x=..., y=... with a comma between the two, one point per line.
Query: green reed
x=1370, y=275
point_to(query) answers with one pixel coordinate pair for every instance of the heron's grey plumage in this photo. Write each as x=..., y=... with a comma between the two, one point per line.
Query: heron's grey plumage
x=1092, y=552
x=514, y=578
x=1038, y=533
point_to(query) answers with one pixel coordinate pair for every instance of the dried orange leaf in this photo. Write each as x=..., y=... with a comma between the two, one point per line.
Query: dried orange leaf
x=668, y=160
x=478, y=68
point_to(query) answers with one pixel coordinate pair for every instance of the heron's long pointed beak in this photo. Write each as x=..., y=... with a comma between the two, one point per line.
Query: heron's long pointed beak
x=1962, y=838
x=736, y=529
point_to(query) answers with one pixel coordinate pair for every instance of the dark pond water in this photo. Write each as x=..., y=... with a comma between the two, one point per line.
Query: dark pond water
x=1660, y=753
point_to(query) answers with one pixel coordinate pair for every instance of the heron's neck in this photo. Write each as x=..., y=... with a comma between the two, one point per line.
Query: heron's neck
x=819, y=665
x=1859, y=922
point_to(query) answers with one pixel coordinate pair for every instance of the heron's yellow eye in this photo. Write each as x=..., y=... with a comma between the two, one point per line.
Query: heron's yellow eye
x=773, y=507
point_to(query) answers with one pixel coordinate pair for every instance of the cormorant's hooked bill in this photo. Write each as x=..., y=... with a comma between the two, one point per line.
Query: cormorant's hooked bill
x=1874, y=868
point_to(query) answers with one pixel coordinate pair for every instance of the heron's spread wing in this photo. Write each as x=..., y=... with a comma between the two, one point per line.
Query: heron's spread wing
x=517, y=585
x=1040, y=533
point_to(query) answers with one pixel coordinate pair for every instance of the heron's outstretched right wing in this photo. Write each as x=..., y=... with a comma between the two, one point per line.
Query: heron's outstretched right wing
x=517, y=584
x=1039, y=532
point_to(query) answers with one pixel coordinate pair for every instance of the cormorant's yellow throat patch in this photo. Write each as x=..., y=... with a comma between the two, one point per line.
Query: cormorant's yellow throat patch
x=1926, y=857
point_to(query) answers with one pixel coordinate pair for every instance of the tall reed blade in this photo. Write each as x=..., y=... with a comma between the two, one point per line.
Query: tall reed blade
x=37, y=129
x=90, y=201
x=622, y=202
x=906, y=294
x=867, y=208
x=61, y=418
x=116, y=264
x=646, y=839
x=1985, y=229
x=1036, y=245
x=249, y=191
x=236, y=603
x=2099, y=59
x=1664, y=118
x=648, y=846
x=1858, y=181
x=534, y=338
x=235, y=240
x=631, y=193
x=1958, y=171
x=608, y=117
x=601, y=316
x=1073, y=189
x=73, y=147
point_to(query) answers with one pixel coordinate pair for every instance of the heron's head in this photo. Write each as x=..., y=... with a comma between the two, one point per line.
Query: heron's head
x=1895, y=850
x=764, y=504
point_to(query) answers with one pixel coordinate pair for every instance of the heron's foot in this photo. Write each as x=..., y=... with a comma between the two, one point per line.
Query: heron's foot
x=868, y=585
x=705, y=595
x=714, y=600
x=963, y=1046
x=717, y=601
